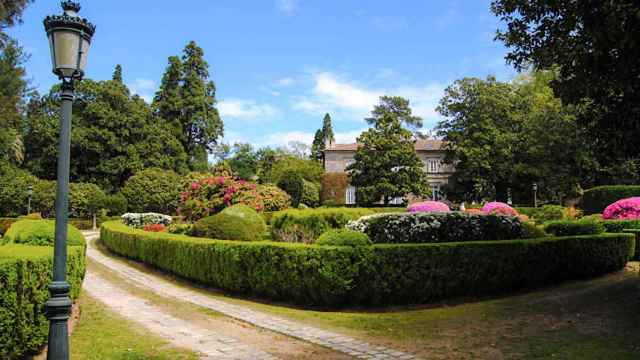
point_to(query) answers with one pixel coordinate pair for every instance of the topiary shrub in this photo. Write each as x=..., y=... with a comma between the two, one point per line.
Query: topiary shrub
x=153, y=190
x=429, y=206
x=333, y=188
x=293, y=184
x=238, y=222
x=39, y=233
x=595, y=200
x=310, y=194
x=305, y=226
x=210, y=195
x=570, y=228
x=416, y=228
x=625, y=209
x=274, y=198
x=343, y=237
x=499, y=208
x=636, y=233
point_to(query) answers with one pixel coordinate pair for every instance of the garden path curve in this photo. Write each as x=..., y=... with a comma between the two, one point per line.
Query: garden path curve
x=160, y=286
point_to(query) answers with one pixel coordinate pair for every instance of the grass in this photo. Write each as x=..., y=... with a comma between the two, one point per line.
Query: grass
x=585, y=320
x=101, y=334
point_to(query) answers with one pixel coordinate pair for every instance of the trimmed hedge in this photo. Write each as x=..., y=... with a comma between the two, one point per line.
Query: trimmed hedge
x=417, y=228
x=343, y=237
x=25, y=273
x=570, y=228
x=617, y=226
x=372, y=275
x=636, y=233
x=39, y=233
x=5, y=224
x=307, y=225
x=238, y=222
x=595, y=200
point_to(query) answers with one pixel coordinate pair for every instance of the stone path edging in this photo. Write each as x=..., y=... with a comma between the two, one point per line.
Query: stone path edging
x=331, y=340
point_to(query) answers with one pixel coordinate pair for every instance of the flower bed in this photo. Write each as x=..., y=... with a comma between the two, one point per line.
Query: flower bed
x=372, y=275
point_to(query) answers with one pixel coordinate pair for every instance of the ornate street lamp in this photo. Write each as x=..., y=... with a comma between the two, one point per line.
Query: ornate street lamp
x=29, y=194
x=535, y=195
x=69, y=38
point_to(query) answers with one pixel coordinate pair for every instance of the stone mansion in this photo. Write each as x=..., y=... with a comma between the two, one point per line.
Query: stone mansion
x=338, y=156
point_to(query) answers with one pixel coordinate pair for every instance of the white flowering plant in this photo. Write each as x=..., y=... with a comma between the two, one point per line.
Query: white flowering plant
x=139, y=220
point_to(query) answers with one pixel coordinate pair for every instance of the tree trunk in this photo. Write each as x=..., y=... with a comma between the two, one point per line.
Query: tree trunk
x=95, y=222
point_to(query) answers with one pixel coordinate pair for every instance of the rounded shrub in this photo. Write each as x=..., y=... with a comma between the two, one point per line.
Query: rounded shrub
x=293, y=184
x=274, y=198
x=153, y=190
x=40, y=233
x=310, y=194
x=343, y=237
x=625, y=209
x=595, y=200
x=305, y=226
x=571, y=228
x=429, y=206
x=499, y=208
x=238, y=222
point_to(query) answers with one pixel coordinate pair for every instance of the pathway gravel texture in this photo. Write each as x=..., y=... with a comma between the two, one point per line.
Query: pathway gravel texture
x=157, y=284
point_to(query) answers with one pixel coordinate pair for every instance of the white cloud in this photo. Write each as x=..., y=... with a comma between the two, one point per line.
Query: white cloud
x=286, y=81
x=245, y=109
x=288, y=7
x=344, y=98
x=283, y=138
x=145, y=88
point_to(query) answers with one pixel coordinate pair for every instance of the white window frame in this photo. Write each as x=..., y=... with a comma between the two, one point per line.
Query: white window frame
x=350, y=195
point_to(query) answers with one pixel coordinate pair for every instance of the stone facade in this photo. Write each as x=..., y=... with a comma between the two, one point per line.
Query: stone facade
x=339, y=156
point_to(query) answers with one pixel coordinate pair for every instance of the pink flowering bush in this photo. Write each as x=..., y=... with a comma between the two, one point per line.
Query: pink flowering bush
x=499, y=208
x=207, y=196
x=626, y=209
x=429, y=206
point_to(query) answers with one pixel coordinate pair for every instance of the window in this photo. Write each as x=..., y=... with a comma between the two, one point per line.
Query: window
x=436, y=192
x=350, y=195
x=433, y=166
x=397, y=201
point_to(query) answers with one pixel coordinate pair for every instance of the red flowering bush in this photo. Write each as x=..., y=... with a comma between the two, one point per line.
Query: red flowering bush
x=429, y=206
x=499, y=208
x=209, y=196
x=154, y=228
x=626, y=209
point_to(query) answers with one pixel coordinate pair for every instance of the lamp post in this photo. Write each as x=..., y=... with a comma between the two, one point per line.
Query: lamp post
x=535, y=195
x=69, y=39
x=29, y=194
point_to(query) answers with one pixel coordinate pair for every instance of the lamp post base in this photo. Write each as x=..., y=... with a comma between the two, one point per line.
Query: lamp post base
x=58, y=309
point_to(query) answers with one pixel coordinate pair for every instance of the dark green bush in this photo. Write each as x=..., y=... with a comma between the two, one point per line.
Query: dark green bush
x=293, y=184
x=307, y=225
x=343, y=237
x=238, y=222
x=25, y=273
x=13, y=190
x=116, y=204
x=570, y=228
x=310, y=194
x=39, y=233
x=417, y=228
x=617, y=226
x=636, y=232
x=372, y=275
x=532, y=231
x=153, y=190
x=595, y=200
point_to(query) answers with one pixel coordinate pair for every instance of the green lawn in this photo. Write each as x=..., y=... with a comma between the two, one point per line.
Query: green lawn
x=103, y=335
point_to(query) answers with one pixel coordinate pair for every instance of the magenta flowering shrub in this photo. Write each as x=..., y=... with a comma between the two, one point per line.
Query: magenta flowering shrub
x=208, y=196
x=625, y=209
x=499, y=208
x=429, y=206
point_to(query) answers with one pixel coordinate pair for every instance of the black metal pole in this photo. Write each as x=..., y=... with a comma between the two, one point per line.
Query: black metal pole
x=59, y=304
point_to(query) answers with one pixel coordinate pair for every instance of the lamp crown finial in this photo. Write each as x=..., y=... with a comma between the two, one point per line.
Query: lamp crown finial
x=72, y=6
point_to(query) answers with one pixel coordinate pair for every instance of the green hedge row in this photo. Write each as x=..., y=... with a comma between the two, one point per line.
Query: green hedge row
x=595, y=200
x=372, y=275
x=25, y=273
x=636, y=233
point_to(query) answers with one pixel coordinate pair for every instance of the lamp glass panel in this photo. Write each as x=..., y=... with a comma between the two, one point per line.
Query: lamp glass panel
x=66, y=51
x=85, y=53
x=53, y=52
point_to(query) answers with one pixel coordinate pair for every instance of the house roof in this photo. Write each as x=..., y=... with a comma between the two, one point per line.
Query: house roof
x=421, y=145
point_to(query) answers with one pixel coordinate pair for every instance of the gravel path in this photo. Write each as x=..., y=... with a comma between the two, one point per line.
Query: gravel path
x=162, y=287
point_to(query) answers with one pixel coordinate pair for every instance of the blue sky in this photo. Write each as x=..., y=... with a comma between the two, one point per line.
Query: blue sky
x=279, y=65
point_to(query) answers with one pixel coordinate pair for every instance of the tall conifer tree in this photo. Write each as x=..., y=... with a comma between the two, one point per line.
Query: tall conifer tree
x=117, y=74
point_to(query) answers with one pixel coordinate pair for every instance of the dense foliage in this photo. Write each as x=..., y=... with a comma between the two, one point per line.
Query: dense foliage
x=416, y=228
x=153, y=190
x=386, y=164
x=307, y=225
x=211, y=195
x=140, y=220
x=595, y=46
x=569, y=228
x=293, y=184
x=238, y=222
x=343, y=237
x=372, y=275
x=596, y=199
x=334, y=188
x=274, y=198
